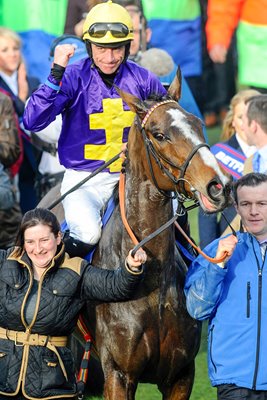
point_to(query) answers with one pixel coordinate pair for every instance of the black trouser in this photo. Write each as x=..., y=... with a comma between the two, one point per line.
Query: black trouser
x=233, y=392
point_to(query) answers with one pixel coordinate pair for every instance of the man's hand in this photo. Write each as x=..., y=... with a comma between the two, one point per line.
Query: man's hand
x=227, y=245
x=63, y=53
x=218, y=53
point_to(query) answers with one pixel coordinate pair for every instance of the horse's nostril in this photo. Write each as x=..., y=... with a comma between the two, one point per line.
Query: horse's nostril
x=214, y=190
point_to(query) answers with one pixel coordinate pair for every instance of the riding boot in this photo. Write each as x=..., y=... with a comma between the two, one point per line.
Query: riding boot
x=77, y=248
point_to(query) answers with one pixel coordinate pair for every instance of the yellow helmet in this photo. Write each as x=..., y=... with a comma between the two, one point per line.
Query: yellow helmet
x=108, y=23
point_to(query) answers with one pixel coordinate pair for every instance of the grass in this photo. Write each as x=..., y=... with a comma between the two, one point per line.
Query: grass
x=202, y=389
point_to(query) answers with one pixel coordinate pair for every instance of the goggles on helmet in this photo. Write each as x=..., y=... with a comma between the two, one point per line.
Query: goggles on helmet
x=100, y=29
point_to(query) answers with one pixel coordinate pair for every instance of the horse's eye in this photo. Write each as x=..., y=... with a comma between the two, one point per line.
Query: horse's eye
x=159, y=137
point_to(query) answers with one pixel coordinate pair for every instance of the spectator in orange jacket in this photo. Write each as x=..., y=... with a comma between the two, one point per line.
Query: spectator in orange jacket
x=250, y=19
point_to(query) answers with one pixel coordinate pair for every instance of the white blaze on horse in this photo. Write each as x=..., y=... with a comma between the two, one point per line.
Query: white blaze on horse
x=151, y=338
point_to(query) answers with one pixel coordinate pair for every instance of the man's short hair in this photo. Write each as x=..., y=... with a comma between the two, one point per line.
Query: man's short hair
x=252, y=179
x=257, y=110
x=158, y=61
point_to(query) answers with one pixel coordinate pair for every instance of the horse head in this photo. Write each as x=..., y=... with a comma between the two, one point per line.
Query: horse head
x=166, y=145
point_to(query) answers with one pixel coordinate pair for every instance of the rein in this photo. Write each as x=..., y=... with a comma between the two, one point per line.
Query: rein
x=138, y=244
x=198, y=249
x=94, y=173
x=122, y=209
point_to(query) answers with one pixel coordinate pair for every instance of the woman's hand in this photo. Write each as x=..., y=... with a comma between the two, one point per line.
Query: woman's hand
x=23, y=87
x=135, y=262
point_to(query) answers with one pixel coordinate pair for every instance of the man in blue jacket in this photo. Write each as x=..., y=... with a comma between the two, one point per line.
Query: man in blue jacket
x=232, y=296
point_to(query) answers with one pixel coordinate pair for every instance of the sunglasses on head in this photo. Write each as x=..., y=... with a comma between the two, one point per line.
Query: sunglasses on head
x=117, y=30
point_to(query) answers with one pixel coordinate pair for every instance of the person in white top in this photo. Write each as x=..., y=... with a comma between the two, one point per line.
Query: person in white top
x=255, y=127
x=231, y=154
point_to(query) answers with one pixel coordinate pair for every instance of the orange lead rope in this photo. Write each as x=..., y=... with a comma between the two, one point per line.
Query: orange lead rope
x=213, y=260
x=133, y=237
x=122, y=208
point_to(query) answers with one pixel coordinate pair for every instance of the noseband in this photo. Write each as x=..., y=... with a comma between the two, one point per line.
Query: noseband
x=158, y=157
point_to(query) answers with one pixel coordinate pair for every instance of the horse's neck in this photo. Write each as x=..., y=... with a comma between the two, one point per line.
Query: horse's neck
x=147, y=210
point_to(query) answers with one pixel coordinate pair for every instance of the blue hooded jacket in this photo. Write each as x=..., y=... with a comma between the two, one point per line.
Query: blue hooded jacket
x=235, y=302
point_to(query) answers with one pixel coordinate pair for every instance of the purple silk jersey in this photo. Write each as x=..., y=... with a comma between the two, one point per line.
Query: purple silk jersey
x=95, y=120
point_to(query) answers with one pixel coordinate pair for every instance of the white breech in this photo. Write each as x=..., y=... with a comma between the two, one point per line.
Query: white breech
x=84, y=207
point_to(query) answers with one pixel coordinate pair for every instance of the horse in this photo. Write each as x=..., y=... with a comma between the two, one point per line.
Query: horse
x=152, y=338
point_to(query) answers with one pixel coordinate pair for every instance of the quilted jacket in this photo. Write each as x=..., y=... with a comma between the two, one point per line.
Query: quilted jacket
x=62, y=291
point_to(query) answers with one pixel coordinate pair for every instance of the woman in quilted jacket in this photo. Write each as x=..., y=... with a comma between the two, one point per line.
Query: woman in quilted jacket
x=42, y=291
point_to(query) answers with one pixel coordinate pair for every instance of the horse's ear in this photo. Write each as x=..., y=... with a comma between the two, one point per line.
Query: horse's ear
x=135, y=104
x=175, y=88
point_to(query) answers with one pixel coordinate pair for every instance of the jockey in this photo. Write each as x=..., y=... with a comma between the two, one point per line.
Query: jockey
x=95, y=120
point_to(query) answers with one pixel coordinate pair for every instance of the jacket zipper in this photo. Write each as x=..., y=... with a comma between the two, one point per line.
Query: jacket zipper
x=248, y=299
x=258, y=329
x=211, y=340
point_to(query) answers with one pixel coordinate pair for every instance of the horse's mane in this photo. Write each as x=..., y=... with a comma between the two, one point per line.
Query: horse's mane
x=156, y=97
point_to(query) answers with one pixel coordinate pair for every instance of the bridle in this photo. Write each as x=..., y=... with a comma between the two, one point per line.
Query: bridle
x=181, y=193
x=150, y=150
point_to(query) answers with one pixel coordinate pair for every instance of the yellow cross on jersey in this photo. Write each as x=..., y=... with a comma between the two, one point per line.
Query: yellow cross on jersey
x=113, y=120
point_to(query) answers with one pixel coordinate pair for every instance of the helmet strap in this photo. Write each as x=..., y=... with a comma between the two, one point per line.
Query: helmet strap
x=127, y=51
x=88, y=48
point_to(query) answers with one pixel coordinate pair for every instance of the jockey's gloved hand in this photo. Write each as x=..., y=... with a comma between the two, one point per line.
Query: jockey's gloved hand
x=76, y=248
